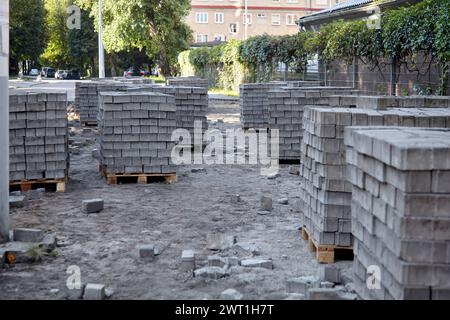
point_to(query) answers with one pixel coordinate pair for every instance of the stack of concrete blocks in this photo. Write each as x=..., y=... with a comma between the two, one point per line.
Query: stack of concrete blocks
x=254, y=104
x=286, y=107
x=188, y=82
x=135, y=132
x=325, y=192
x=135, y=80
x=384, y=102
x=191, y=104
x=86, y=97
x=38, y=136
x=401, y=211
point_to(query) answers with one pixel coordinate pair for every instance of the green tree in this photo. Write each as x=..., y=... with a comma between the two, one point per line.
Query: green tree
x=27, y=32
x=154, y=26
x=57, y=50
x=83, y=45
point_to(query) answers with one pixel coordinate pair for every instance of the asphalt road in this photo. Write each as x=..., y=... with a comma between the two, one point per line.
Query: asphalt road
x=48, y=84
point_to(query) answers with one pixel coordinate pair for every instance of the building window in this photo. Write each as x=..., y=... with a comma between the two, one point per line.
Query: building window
x=202, y=38
x=201, y=17
x=291, y=19
x=276, y=19
x=261, y=15
x=219, y=17
x=233, y=28
x=248, y=18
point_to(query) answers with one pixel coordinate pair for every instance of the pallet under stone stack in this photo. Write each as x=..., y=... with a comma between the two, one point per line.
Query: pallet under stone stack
x=38, y=136
x=191, y=104
x=325, y=192
x=401, y=213
x=188, y=82
x=86, y=98
x=135, y=133
x=286, y=107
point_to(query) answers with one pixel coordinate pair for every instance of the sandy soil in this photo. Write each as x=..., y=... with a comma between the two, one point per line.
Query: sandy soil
x=172, y=217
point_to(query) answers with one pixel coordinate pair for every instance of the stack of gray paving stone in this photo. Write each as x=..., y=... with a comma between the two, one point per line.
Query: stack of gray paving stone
x=86, y=97
x=325, y=192
x=38, y=135
x=384, y=102
x=135, y=132
x=188, y=82
x=286, y=107
x=254, y=104
x=401, y=211
x=191, y=104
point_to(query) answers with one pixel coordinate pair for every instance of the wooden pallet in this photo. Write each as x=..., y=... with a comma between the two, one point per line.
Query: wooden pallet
x=140, y=178
x=326, y=253
x=58, y=185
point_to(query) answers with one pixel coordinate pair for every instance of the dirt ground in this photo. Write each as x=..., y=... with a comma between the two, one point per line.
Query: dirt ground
x=174, y=218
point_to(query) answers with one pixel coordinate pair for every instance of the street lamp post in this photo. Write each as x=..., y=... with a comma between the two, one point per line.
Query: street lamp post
x=4, y=121
x=101, y=51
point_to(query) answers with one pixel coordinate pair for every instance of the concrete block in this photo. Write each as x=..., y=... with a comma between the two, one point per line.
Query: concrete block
x=219, y=241
x=257, y=263
x=187, y=260
x=330, y=273
x=213, y=273
x=147, y=251
x=94, y=292
x=16, y=201
x=92, y=205
x=301, y=284
x=266, y=203
x=28, y=235
x=216, y=261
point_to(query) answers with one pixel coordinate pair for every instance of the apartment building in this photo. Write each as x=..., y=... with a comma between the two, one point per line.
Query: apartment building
x=223, y=20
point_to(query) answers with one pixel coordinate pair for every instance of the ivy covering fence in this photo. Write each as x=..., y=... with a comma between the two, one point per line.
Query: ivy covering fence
x=422, y=30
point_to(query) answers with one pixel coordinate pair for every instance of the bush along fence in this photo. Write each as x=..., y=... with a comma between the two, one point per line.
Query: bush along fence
x=415, y=38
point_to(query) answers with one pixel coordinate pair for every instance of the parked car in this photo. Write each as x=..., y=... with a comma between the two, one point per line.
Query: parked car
x=61, y=74
x=145, y=73
x=48, y=72
x=73, y=75
x=132, y=72
x=34, y=72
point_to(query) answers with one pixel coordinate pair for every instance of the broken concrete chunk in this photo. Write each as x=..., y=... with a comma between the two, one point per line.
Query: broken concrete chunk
x=326, y=284
x=16, y=201
x=249, y=247
x=48, y=243
x=329, y=294
x=92, y=206
x=216, y=261
x=28, y=235
x=273, y=176
x=330, y=273
x=219, y=241
x=147, y=251
x=94, y=292
x=214, y=273
x=235, y=198
x=301, y=284
x=35, y=194
x=188, y=260
x=266, y=203
x=231, y=294
x=283, y=201
x=257, y=263
x=294, y=170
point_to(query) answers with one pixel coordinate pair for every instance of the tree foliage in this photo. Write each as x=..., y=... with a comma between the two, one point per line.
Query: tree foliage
x=154, y=26
x=28, y=34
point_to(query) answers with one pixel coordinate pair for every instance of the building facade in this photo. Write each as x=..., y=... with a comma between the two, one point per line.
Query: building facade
x=223, y=20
